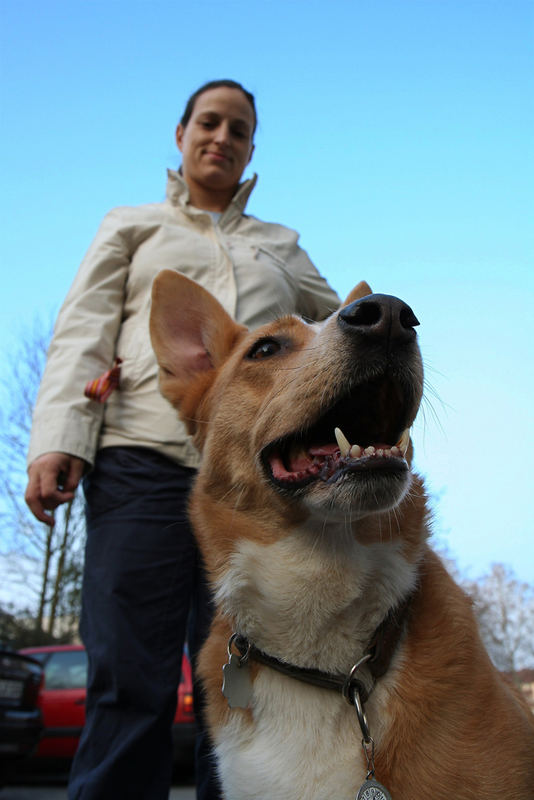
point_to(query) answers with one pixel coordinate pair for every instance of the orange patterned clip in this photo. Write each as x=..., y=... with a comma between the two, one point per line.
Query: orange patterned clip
x=100, y=388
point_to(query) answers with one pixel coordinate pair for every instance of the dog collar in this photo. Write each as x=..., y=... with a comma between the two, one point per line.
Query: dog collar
x=377, y=657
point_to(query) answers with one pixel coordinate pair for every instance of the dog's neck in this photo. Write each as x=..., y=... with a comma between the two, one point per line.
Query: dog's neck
x=374, y=663
x=265, y=594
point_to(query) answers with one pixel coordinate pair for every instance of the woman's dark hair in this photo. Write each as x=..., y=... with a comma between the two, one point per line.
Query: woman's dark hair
x=186, y=116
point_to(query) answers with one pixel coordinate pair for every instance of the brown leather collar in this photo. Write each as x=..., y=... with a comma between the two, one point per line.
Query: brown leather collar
x=377, y=657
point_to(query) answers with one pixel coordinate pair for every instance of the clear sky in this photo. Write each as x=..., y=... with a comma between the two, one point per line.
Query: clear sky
x=395, y=135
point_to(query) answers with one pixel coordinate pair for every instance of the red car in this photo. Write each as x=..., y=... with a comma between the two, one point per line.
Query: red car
x=62, y=702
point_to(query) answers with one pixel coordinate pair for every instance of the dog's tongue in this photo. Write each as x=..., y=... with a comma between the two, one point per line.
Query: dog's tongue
x=303, y=460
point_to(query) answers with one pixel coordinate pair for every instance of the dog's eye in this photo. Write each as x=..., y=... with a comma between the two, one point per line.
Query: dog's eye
x=264, y=348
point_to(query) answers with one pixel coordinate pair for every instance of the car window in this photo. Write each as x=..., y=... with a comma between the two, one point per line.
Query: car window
x=40, y=657
x=66, y=670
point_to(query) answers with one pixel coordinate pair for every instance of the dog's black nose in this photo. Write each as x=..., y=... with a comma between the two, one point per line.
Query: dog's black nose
x=380, y=316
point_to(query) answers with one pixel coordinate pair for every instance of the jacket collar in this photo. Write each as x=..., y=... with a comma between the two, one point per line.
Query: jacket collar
x=178, y=193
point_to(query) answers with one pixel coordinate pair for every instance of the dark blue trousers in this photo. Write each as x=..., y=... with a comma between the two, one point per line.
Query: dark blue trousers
x=144, y=593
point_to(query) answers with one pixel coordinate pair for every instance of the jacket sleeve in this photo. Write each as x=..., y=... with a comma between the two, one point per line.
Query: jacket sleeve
x=316, y=298
x=82, y=347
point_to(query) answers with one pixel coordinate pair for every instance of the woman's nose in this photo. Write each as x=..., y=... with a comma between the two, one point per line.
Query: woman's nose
x=222, y=133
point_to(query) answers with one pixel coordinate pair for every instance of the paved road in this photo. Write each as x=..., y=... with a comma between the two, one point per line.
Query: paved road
x=51, y=784
x=60, y=793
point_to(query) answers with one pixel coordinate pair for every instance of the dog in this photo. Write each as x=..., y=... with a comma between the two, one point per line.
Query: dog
x=350, y=660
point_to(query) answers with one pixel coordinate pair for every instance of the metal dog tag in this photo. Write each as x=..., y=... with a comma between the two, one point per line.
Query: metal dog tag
x=372, y=790
x=237, y=686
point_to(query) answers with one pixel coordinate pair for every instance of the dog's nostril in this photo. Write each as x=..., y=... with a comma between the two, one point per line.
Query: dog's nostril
x=407, y=318
x=365, y=314
x=379, y=316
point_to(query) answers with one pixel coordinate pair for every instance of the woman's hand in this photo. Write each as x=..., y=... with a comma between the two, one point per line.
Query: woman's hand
x=52, y=480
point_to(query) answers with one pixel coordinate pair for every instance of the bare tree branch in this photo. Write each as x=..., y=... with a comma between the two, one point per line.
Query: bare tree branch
x=41, y=568
x=505, y=611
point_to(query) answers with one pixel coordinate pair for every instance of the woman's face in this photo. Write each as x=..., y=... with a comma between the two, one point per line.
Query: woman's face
x=216, y=144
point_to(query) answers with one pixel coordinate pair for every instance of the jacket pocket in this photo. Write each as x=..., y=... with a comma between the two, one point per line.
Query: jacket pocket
x=135, y=349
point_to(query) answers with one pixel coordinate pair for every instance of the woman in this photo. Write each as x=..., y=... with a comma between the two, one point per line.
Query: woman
x=143, y=583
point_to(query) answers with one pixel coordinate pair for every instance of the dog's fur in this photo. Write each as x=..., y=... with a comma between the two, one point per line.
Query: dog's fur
x=307, y=570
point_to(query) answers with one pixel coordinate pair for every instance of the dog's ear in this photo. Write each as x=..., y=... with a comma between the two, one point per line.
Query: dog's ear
x=191, y=335
x=362, y=289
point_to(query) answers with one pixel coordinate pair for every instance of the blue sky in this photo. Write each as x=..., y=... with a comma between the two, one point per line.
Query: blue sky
x=396, y=137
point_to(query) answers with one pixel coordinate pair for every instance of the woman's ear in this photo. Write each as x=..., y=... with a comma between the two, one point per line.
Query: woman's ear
x=251, y=153
x=180, y=136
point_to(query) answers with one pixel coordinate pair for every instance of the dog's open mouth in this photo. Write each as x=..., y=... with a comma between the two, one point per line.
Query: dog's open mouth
x=366, y=429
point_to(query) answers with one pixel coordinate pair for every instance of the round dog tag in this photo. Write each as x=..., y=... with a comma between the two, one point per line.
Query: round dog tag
x=372, y=790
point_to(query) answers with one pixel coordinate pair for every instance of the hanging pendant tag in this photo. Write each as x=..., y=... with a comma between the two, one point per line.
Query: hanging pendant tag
x=237, y=686
x=372, y=790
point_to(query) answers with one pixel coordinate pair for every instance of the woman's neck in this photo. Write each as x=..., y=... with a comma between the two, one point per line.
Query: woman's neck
x=209, y=199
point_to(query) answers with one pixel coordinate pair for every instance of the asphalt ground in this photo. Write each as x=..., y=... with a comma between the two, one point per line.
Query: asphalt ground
x=51, y=784
x=60, y=793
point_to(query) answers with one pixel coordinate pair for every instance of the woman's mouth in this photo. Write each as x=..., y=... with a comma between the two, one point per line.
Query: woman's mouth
x=217, y=157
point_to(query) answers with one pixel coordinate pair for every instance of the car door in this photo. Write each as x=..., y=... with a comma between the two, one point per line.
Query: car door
x=63, y=702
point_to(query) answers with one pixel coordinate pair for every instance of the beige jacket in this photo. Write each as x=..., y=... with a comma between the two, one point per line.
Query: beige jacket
x=255, y=269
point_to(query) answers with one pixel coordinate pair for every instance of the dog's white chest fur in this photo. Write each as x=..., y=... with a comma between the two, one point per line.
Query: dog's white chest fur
x=304, y=744
x=299, y=732
x=314, y=598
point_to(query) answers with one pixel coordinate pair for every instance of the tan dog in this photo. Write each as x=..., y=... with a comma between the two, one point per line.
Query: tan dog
x=358, y=669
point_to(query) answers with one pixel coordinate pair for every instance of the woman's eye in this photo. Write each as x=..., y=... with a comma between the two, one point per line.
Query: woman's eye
x=265, y=348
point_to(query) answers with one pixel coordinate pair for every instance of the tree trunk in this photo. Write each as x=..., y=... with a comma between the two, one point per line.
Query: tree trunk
x=60, y=569
x=44, y=581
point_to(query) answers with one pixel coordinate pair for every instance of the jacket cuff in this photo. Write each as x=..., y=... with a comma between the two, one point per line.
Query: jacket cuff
x=74, y=434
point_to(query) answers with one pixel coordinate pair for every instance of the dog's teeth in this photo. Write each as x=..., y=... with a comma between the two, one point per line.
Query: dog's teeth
x=343, y=442
x=355, y=451
x=404, y=441
x=370, y=451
